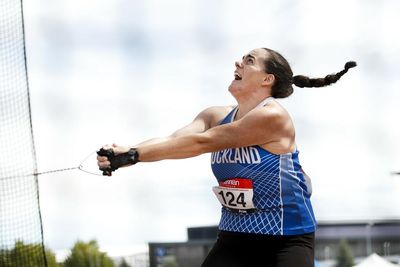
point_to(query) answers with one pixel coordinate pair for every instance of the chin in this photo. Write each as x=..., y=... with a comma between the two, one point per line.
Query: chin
x=234, y=91
x=233, y=88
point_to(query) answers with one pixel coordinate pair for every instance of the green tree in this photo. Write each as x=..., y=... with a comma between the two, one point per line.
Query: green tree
x=4, y=258
x=344, y=257
x=87, y=255
x=26, y=255
x=51, y=259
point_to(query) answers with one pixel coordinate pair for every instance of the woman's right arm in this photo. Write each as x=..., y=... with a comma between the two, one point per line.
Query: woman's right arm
x=205, y=120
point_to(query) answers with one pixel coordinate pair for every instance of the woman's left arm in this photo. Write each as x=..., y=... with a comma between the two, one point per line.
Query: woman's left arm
x=258, y=127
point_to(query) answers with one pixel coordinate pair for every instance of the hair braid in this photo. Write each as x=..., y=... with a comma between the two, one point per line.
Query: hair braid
x=304, y=81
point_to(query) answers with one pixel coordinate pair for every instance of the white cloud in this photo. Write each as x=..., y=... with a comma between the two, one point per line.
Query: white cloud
x=154, y=79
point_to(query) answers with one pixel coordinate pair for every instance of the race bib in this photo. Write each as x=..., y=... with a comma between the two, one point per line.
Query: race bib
x=236, y=194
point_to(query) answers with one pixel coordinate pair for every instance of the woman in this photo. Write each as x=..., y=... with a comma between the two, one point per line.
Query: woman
x=267, y=217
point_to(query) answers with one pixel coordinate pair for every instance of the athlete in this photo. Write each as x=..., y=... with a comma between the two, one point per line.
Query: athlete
x=267, y=217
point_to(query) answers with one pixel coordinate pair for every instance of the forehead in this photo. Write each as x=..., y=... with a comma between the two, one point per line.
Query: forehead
x=258, y=53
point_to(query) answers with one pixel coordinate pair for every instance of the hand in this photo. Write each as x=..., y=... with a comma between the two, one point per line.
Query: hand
x=103, y=161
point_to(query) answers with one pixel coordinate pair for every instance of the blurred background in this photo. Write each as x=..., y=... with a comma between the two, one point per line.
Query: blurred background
x=122, y=71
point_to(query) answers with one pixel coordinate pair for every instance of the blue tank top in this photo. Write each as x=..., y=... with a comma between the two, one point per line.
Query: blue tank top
x=281, y=193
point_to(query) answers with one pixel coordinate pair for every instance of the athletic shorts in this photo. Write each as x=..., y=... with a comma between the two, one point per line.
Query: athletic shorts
x=256, y=250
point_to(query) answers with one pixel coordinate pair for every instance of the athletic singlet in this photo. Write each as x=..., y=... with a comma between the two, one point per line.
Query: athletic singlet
x=281, y=192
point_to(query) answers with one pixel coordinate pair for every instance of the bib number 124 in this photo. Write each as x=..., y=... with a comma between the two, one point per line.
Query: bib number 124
x=232, y=200
x=235, y=198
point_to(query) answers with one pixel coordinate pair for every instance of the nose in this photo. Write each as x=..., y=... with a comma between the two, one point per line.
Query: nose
x=238, y=64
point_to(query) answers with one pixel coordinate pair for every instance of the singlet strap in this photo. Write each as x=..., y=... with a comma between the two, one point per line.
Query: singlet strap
x=263, y=103
x=232, y=114
x=266, y=101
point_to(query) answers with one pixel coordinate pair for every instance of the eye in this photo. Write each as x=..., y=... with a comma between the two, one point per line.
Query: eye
x=249, y=60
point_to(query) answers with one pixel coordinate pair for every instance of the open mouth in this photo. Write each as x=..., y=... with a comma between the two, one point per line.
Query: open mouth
x=237, y=76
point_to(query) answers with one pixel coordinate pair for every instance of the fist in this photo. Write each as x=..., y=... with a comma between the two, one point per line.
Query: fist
x=103, y=162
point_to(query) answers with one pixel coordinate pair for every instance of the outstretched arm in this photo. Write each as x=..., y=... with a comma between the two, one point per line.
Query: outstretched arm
x=205, y=120
x=259, y=126
x=201, y=123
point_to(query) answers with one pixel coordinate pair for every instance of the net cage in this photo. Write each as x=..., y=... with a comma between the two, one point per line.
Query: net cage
x=21, y=235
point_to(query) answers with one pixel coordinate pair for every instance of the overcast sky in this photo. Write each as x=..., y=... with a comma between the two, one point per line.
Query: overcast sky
x=124, y=71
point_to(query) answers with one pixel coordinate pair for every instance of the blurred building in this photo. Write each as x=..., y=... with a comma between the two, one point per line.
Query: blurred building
x=134, y=260
x=364, y=238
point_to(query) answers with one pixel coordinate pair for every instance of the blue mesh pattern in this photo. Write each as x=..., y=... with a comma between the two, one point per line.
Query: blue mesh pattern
x=267, y=196
x=266, y=182
x=259, y=223
x=280, y=192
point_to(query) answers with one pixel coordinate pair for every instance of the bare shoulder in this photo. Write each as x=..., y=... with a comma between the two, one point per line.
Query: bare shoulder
x=213, y=115
x=273, y=112
x=276, y=110
x=278, y=119
x=282, y=118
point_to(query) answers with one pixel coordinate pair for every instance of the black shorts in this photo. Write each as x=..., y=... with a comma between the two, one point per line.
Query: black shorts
x=254, y=250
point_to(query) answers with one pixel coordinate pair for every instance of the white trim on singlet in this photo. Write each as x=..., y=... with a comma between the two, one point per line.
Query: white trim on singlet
x=280, y=191
x=302, y=192
x=265, y=101
x=261, y=104
x=234, y=113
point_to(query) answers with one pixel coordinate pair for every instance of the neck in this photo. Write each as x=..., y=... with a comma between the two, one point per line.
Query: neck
x=246, y=104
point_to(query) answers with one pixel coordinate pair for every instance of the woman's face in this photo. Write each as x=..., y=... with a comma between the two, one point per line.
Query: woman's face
x=249, y=72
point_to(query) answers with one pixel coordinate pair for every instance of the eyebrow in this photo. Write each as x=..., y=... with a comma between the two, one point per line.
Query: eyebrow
x=248, y=55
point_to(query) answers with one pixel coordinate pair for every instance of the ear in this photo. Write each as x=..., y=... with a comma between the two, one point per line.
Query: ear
x=269, y=79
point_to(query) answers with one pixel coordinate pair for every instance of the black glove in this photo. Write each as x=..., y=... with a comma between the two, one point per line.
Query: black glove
x=128, y=158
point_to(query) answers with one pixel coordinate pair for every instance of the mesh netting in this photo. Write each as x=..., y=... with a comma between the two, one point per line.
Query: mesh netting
x=21, y=239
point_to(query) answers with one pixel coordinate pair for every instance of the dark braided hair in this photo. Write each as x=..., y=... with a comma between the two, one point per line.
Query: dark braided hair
x=277, y=65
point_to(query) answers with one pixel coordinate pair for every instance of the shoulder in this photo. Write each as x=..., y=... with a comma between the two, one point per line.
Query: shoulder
x=272, y=119
x=280, y=126
x=218, y=109
x=273, y=114
x=213, y=115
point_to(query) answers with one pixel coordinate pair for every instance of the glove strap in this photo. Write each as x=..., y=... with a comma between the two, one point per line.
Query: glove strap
x=116, y=161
